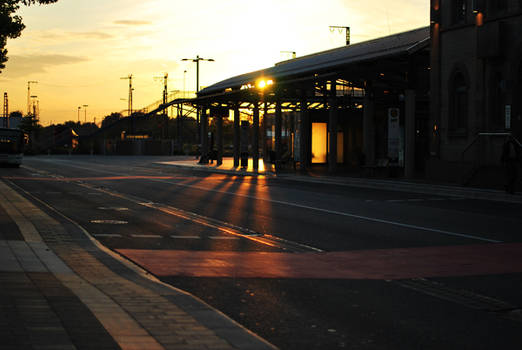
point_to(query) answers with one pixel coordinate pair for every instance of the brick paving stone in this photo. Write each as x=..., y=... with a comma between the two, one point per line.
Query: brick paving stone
x=10, y=230
x=31, y=320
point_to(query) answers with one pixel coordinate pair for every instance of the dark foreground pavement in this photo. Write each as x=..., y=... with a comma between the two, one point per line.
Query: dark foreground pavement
x=314, y=263
x=61, y=290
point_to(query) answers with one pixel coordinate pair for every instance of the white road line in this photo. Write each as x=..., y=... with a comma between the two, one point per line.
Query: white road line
x=223, y=237
x=146, y=236
x=334, y=212
x=185, y=237
x=113, y=208
x=416, y=200
x=108, y=235
x=395, y=200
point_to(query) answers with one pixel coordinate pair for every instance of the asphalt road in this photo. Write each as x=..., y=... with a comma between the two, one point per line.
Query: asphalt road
x=306, y=266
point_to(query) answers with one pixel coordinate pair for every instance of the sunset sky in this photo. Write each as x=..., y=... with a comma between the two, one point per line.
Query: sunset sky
x=78, y=49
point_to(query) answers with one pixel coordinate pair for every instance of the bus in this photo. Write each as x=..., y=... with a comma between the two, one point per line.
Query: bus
x=11, y=146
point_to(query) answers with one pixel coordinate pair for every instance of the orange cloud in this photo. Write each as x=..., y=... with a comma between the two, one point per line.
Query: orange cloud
x=19, y=66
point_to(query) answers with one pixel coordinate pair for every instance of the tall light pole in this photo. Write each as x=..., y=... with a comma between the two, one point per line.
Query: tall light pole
x=85, y=115
x=196, y=60
x=29, y=95
x=35, y=101
x=79, y=107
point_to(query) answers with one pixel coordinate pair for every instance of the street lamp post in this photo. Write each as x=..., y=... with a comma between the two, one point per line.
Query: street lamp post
x=79, y=107
x=196, y=60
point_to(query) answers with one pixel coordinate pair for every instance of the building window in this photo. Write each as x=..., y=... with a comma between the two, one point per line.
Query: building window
x=459, y=11
x=458, y=115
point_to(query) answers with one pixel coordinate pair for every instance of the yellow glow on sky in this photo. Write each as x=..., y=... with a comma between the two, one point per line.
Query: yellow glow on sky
x=79, y=49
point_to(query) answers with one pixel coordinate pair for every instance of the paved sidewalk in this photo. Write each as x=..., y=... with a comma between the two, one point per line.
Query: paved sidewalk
x=62, y=290
x=384, y=184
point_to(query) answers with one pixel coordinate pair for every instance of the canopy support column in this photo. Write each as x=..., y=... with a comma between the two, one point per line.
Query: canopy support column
x=204, y=136
x=278, y=126
x=236, y=136
x=409, y=126
x=255, y=137
x=369, y=128
x=219, y=141
x=333, y=124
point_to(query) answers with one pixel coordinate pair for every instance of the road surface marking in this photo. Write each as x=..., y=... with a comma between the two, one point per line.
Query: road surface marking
x=113, y=208
x=146, y=236
x=223, y=237
x=109, y=222
x=335, y=212
x=303, y=206
x=375, y=264
x=185, y=237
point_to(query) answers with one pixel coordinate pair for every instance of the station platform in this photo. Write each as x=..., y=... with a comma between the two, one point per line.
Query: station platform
x=322, y=177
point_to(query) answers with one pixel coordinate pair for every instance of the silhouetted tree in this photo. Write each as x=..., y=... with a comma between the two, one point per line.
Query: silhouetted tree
x=16, y=114
x=31, y=126
x=11, y=25
x=111, y=119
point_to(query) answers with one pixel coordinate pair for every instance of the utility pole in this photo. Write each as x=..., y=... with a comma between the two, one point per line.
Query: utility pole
x=29, y=95
x=79, y=107
x=130, y=93
x=6, y=111
x=36, y=108
x=196, y=60
x=85, y=110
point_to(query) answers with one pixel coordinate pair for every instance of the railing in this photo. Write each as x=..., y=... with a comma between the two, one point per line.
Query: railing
x=482, y=134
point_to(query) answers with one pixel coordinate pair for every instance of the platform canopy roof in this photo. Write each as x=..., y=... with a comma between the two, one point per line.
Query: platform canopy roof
x=401, y=44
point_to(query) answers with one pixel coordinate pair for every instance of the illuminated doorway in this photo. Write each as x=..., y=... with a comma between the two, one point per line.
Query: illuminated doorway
x=319, y=142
